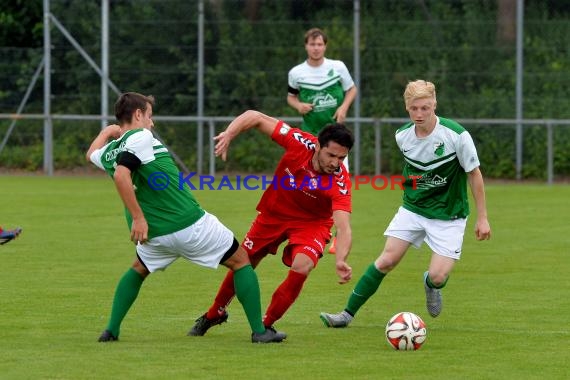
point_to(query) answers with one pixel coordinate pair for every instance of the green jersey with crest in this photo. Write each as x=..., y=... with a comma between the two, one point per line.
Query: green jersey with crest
x=323, y=87
x=167, y=205
x=435, y=169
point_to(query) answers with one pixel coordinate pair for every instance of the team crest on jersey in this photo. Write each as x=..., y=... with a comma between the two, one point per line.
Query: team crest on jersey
x=308, y=143
x=439, y=149
x=313, y=183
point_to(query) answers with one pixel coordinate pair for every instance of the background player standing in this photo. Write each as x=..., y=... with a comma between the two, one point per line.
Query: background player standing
x=320, y=89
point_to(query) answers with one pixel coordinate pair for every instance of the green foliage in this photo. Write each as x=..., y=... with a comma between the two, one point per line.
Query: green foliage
x=249, y=47
x=21, y=23
x=29, y=158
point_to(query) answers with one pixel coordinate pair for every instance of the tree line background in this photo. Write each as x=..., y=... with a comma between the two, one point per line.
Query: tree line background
x=466, y=47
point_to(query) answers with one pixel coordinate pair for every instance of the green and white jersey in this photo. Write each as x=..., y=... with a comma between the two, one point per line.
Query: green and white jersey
x=442, y=159
x=323, y=87
x=167, y=206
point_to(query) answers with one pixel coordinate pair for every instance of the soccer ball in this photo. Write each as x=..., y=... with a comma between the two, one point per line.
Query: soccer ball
x=406, y=331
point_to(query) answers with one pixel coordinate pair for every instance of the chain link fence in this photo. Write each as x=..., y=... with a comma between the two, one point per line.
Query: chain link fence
x=247, y=47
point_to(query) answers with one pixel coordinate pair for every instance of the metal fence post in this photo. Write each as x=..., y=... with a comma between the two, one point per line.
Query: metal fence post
x=48, y=127
x=549, y=153
x=377, y=147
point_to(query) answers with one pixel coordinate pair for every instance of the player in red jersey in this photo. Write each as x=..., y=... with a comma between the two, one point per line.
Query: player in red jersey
x=309, y=193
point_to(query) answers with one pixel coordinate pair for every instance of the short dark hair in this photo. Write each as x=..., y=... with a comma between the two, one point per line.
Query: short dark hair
x=338, y=133
x=128, y=103
x=314, y=33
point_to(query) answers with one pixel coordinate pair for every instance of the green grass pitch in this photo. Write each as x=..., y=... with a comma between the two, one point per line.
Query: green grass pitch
x=505, y=312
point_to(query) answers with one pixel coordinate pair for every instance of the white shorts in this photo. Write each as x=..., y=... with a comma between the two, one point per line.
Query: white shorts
x=444, y=237
x=204, y=243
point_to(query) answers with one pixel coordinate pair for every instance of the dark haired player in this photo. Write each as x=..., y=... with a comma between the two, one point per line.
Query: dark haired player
x=310, y=193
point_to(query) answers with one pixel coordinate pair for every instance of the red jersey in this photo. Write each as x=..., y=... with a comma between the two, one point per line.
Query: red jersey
x=297, y=191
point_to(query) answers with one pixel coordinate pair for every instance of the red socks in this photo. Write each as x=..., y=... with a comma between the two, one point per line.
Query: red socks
x=225, y=295
x=284, y=296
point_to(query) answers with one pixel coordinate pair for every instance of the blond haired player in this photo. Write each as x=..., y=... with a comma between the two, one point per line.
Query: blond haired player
x=442, y=154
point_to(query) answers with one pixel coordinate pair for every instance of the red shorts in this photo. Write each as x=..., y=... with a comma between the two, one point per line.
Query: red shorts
x=267, y=233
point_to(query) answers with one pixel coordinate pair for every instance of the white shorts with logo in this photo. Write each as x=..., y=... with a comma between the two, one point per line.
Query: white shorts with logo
x=444, y=237
x=204, y=243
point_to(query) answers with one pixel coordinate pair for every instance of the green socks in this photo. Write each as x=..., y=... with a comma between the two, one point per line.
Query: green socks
x=125, y=295
x=432, y=285
x=245, y=283
x=247, y=292
x=364, y=289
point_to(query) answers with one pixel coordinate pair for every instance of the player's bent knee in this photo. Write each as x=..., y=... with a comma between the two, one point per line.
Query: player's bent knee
x=140, y=268
x=384, y=265
x=236, y=257
x=303, y=263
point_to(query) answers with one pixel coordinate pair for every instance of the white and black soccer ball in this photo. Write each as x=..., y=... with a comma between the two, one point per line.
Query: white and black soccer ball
x=406, y=331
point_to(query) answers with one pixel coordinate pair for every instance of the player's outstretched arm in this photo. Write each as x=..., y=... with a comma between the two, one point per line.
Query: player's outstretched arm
x=247, y=120
x=343, y=245
x=482, y=227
